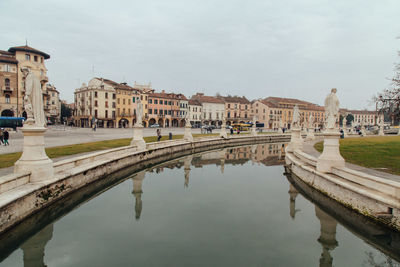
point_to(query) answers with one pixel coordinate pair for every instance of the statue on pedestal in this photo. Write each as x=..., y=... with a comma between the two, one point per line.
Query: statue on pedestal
x=296, y=116
x=33, y=100
x=139, y=113
x=187, y=119
x=311, y=122
x=331, y=109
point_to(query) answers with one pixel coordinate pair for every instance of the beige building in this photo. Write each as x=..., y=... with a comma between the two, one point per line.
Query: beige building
x=273, y=109
x=12, y=81
x=95, y=101
x=52, y=104
x=195, y=111
x=213, y=109
x=237, y=109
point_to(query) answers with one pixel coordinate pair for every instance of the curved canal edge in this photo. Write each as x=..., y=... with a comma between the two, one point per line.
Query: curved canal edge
x=374, y=197
x=20, y=198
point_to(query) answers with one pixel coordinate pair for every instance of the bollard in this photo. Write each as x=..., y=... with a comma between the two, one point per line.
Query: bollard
x=170, y=136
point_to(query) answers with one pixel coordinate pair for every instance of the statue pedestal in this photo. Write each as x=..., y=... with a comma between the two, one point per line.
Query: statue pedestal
x=188, y=133
x=310, y=134
x=137, y=139
x=253, y=131
x=280, y=130
x=296, y=142
x=381, y=133
x=345, y=131
x=330, y=157
x=223, y=133
x=34, y=158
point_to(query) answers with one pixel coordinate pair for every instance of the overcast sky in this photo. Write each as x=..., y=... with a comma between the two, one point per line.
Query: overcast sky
x=256, y=48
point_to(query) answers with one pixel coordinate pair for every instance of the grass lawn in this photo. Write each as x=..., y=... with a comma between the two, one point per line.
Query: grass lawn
x=7, y=160
x=382, y=153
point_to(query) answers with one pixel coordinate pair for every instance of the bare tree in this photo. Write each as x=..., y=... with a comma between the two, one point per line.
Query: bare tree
x=388, y=101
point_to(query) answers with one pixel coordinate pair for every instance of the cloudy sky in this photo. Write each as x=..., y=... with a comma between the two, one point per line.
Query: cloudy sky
x=256, y=48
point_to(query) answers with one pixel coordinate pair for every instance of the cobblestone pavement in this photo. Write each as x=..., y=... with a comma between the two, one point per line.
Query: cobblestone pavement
x=59, y=135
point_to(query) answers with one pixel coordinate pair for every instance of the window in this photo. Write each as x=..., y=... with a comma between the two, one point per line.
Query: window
x=123, y=101
x=41, y=60
x=113, y=114
x=165, y=112
x=155, y=102
x=95, y=113
x=95, y=94
x=35, y=58
x=114, y=96
x=118, y=100
x=27, y=57
x=7, y=98
x=113, y=104
x=7, y=83
x=7, y=68
x=150, y=101
x=129, y=101
x=229, y=105
x=155, y=111
x=106, y=106
x=169, y=112
x=150, y=111
x=95, y=103
x=165, y=102
x=106, y=95
x=169, y=103
x=161, y=111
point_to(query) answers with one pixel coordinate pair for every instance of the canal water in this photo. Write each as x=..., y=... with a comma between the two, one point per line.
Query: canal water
x=230, y=207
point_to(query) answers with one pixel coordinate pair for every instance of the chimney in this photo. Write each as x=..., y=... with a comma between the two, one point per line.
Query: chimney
x=163, y=91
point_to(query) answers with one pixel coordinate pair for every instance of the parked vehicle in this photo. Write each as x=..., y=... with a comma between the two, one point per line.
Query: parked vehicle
x=155, y=125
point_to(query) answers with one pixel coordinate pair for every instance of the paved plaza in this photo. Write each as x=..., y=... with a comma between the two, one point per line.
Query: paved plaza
x=60, y=135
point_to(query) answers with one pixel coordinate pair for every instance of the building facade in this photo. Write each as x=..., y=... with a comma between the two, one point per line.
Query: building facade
x=213, y=109
x=12, y=83
x=237, y=109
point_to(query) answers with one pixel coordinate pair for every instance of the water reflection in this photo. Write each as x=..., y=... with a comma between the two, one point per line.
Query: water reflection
x=34, y=247
x=329, y=214
x=137, y=192
x=327, y=238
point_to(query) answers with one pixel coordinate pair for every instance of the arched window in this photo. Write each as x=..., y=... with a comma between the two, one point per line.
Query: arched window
x=7, y=83
x=7, y=98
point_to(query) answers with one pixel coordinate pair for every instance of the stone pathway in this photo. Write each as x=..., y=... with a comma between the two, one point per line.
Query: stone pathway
x=308, y=147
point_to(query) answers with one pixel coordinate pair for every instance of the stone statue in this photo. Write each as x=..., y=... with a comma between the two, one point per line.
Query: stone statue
x=187, y=119
x=344, y=122
x=296, y=116
x=254, y=121
x=139, y=112
x=331, y=109
x=311, y=121
x=280, y=123
x=33, y=100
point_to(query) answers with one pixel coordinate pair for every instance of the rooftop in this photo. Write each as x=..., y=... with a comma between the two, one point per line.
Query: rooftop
x=207, y=99
x=26, y=48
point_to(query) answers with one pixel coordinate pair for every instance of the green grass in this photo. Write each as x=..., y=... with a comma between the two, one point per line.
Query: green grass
x=7, y=160
x=382, y=153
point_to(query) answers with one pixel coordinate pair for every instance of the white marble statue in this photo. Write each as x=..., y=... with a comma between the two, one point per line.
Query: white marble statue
x=331, y=109
x=187, y=119
x=33, y=100
x=344, y=122
x=280, y=123
x=139, y=113
x=296, y=116
x=311, y=121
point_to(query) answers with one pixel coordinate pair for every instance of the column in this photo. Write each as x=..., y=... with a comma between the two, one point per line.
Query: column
x=293, y=194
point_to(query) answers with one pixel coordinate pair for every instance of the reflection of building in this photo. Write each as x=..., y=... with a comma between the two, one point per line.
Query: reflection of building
x=34, y=247
x=327, y=238
x=137, y=192
x=293, y=194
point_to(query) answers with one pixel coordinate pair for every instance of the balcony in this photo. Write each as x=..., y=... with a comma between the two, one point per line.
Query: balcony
x=44, y=78
x=7, y=89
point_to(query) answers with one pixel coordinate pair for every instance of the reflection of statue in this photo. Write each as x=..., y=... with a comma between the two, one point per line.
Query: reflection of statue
x=293, y=194
x=137, y=192
x=139, y=112
x=33, y=100
x=296, y=116
x=331, y=109
x=327, y=238
x=34, y=247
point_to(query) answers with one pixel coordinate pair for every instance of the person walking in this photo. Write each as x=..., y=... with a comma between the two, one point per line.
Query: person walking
x=1, y=136
x=158, y=135
x=6, y=135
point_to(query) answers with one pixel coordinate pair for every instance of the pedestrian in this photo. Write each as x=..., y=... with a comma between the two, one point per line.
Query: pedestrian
x=6, y=135
x=231, y=130
x=158, y=134
x=1, y=136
